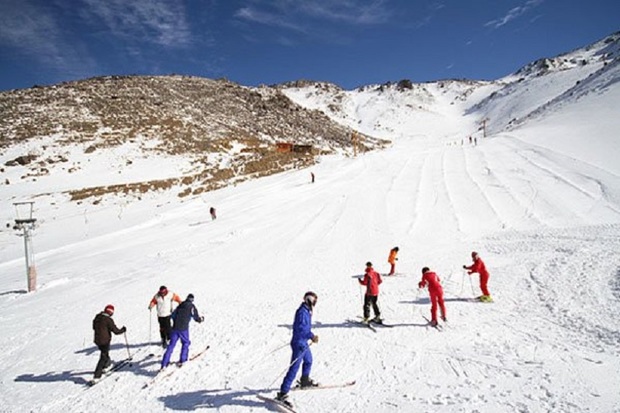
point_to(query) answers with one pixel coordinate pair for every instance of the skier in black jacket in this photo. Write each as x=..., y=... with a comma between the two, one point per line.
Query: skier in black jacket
x=103, y=324
x=181, y=317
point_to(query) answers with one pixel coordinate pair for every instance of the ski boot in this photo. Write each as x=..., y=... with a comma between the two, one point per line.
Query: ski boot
x=486, y=299
x=306, y=381
x=283, y=398
x=377, y=320
x=433, y=323
x=365, y=320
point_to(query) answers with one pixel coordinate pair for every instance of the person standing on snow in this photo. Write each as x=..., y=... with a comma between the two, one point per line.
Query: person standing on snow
x=181, y=317
x=164, y=302
x=103, y=324
x=371, y=280
x=392, y=259
x=436, y=293
x=302, y=332
x=213, y=214
x=479, y=267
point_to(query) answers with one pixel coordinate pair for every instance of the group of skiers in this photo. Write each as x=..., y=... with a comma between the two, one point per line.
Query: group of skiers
x=173, y=326
x=302, y=326
x=174, y=322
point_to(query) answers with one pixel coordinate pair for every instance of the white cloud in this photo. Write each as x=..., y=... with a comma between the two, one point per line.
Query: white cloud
x=513, y=14
x=34, y=31
x=294, y=14
x=162, y=22
x=267, y=18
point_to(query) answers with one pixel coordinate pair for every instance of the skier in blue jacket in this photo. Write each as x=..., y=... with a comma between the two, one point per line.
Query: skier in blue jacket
x=181, y=317
x=302, y=332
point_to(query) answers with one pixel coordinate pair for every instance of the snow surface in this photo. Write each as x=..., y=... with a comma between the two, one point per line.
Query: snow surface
x=540, y=203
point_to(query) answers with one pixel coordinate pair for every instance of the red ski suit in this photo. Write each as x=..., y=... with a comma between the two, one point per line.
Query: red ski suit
x=479, y=267
x=371, y=280
x=435, y=291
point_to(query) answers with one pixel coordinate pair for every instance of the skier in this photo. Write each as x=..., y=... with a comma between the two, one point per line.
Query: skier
x=479, y=267
x=212, y=212
x=436, y=293
x=371, y=280
x=312, y=176
x=103, y=324
x=302, y=332
x=392, y=259
x=163, y=301
x=181, y=316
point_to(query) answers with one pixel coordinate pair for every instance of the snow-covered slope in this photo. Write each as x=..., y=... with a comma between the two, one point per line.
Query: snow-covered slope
x=540, y=203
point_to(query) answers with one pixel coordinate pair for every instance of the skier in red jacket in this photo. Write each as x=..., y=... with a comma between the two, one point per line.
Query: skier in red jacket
x=479, y=267
x=371, y=280
x=435, y=291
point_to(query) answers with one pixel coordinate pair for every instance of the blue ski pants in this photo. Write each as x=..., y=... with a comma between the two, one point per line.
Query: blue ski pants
x=175, y=336
x=301, y=354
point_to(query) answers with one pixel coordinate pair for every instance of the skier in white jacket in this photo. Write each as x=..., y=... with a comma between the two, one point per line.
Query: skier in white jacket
x=164, y=302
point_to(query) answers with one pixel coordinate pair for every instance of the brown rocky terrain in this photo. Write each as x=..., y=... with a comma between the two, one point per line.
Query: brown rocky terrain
x=171, y=115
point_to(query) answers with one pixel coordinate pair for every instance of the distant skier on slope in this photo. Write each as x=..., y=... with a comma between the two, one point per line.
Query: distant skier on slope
x=436, y=293
x=103, y=324
x=371, y=280
x=302, y=332
x=164, y=302
x=392, y=258
x=479, y=267
x=182, y=315
x=213, y=213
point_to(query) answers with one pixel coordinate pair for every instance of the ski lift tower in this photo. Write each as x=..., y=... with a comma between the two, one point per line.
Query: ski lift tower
x=25, y=223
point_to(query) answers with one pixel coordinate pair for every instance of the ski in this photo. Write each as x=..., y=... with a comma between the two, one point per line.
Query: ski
x=116, y=367
x=437, y=326
x=375, y=323
x=166, y=372
x=362, y=324
x=284, y=408
x=324, y=386
x=382, y=324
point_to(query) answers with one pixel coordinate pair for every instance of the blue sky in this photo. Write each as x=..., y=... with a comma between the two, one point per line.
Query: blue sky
x=251, y=42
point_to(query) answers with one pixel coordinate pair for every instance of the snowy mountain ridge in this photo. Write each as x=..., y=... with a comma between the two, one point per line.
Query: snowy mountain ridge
x=539, y=201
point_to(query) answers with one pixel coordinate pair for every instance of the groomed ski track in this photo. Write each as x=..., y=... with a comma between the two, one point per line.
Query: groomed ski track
x=547, y=226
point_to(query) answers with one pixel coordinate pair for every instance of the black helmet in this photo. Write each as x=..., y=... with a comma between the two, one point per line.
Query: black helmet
x=310, y=298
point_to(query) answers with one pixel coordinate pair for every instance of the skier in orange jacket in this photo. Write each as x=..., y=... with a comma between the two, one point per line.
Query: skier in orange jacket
x=392, y=259
x=435, y=291
x=479, y=267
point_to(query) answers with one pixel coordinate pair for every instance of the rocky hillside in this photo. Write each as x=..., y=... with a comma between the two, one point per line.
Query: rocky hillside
x=227, y=131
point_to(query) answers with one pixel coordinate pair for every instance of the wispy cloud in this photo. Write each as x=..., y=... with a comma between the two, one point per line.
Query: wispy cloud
x=162, y=22
x=295, y=14
x=33, y=31
x=513, y=14
x=267, y=18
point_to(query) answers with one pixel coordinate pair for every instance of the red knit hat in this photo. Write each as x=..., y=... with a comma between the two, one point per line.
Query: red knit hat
x=109, y=309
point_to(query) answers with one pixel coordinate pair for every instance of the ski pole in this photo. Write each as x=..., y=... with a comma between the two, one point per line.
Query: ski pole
x=279, y=348
x=472, y=286
x=150, y=323
x=462, y=282
x=292, y=362
x=127, y=344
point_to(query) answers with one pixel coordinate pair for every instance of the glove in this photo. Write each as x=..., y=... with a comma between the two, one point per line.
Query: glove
x=420, y=285
x=464, y=267
x=315, y=338
x=150, y=307
x=123, y=330
x=201, y=319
